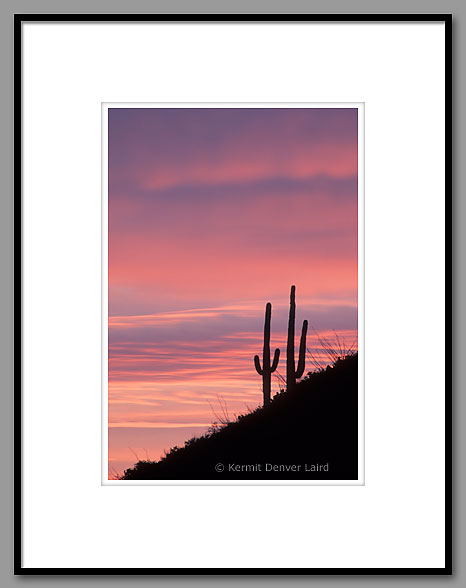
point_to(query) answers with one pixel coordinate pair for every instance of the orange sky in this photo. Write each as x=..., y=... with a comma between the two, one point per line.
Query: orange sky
x=213, y=213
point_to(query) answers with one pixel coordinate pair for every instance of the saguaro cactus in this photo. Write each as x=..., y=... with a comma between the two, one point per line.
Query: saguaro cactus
x=267, y=370
x=291, y=374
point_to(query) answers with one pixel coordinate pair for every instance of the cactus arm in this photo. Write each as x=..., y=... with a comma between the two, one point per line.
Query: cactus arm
x=258, y=365
x=276, y=357
x=302, y=351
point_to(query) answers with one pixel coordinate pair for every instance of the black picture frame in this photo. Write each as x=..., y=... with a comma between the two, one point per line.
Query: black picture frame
x=19, y=19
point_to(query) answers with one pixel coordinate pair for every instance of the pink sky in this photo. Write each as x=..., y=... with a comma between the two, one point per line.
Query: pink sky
x=213, y=213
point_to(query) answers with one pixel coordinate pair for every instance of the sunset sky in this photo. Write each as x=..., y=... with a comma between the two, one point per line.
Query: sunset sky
x=212, y=213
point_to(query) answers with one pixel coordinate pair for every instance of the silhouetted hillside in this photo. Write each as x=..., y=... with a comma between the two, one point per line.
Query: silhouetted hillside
x=313, y=426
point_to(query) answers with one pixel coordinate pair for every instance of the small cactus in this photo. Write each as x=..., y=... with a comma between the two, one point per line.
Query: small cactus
x=267, y=370
x=291, y=374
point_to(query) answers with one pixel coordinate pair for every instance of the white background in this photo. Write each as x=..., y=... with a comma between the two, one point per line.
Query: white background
x=397, y=518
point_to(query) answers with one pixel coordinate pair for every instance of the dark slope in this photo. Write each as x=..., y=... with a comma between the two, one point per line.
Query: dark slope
x=314, y=425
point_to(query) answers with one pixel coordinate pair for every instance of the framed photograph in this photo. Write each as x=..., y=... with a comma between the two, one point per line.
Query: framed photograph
x=233, y=294
x=207, y=215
